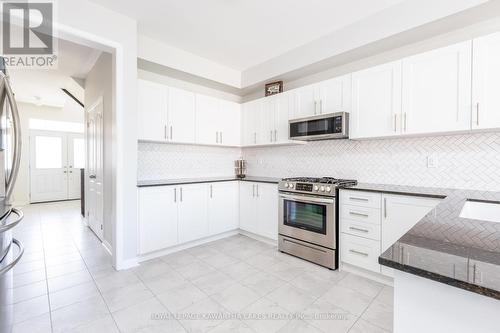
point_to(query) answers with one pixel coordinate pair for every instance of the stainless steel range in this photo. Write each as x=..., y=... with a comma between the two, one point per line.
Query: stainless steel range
x=308, y=226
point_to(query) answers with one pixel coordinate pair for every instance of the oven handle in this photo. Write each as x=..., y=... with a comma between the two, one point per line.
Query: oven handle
x=308, y=199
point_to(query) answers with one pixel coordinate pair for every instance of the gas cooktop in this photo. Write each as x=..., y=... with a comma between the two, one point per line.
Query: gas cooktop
x=314, y=185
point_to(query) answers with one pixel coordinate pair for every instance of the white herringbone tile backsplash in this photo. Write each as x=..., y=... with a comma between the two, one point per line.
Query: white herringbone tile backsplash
x=469, y=161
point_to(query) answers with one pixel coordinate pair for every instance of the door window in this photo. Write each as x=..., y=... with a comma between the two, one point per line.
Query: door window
x=48, y=151
x=304, y=215
x=78, y=153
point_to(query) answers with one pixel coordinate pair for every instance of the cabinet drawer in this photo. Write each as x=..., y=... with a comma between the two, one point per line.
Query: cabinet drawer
x=360, y=214
x=363, y=229
x=360, y=252
x=360, y=198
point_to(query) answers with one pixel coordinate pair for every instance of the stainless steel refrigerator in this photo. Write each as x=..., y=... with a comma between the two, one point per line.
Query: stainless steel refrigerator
x=11, y=250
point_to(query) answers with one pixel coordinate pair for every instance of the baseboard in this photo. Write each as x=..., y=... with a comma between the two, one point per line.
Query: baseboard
x=258, y=237
x=378, y=277
x=126, y=264
x=185, y=246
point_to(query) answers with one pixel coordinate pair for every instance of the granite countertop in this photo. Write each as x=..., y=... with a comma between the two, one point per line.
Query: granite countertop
x=445, y=247
x=183, y=181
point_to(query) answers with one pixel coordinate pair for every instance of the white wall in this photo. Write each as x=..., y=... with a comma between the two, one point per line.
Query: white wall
x=95, y=26
x=99, y=83
x=72, y=112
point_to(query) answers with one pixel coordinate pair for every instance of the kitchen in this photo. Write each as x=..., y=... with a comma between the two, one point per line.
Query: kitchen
x=324, y=189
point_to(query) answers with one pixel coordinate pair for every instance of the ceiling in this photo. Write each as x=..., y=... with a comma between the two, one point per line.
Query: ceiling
x=241, y=34
x=43, y=86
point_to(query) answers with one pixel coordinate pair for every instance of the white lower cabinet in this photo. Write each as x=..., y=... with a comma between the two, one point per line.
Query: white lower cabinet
x=259, y=209
x=157, y=218
x=192, y=208
x=223, y=199
x=371, y=222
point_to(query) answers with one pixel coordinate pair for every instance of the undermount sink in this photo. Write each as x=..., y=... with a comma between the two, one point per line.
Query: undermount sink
x=480, y=210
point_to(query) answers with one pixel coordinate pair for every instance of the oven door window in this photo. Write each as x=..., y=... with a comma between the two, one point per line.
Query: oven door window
x=305, y=215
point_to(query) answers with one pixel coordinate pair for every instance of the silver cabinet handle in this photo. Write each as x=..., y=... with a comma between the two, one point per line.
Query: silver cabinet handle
x=275, y=135
x=315, y=106
x=271, y=135
x=358, y=214
x=20, y=216
x=65, y=171
x=405, y=120
x=474, y=273
x=253, y=190
x=216, y=137
x=395, y=122
x=165, y=132
x=358, y=229
x=9, y=266
x=171, y=136
x=254, y=137
x=358, y=252
x=181, y=193
x=211, y=191
x=257, y=186
x=385, y=207
x=358, y=199
x=477, y=113
x=92, y=177
x=320, y=106
x=175, y=194
x=220, y=136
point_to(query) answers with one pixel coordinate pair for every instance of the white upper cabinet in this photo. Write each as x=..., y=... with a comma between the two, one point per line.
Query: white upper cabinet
x=281, y=116
x=486, y=82
x=207, y=115
x=305, y=102
x=181, y=116
x=250, y=125
x=335, y=95
x=152, y=111
x=274, y=118
x=229, y=121
x=376, y=101
x=437, y=90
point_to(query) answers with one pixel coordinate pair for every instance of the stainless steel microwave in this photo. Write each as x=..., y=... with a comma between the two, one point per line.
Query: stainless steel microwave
x=322, y=127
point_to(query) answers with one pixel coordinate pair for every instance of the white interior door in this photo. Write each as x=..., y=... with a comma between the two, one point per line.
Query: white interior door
x=76, y=161
x=48, y=166
x=94, y=171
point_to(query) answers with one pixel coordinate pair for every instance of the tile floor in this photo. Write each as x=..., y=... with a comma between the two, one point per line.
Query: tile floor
x=65, y=283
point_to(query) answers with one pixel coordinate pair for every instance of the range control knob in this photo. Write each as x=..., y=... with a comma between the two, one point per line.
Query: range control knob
x=291, y=185
x=322, y=189
x=286, y=185
x=328, y=189
x=316, y=188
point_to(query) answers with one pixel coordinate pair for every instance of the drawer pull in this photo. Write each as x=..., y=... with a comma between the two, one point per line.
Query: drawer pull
x=358, y=229
x=359, y=253
x=358, y=199
x=358, y=214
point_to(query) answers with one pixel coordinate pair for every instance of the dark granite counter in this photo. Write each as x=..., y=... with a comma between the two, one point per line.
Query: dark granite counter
x=445, y=247
x=184, y=181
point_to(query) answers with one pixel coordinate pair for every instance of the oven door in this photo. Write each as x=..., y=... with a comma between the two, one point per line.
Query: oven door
x=308, y=218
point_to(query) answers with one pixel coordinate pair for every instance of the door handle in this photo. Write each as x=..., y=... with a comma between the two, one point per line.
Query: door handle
x=92, y=177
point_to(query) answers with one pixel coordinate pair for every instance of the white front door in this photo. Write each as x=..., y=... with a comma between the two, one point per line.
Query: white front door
x=49, y=174
x=55, y=163
x=94, y=171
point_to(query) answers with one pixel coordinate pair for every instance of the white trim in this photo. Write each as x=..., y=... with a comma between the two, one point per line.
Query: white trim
x=258, y=237
x=184, y=246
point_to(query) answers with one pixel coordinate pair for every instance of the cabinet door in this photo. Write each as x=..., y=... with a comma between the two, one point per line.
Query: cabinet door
x=376, y=101
x=267, y=210
x=400, y=213
x=157, y=218
x=267, y=120
x=229, y=123
x=181, y=116
x=335, y=95
x=193, y=219
x=223, y=202
x=152, y=111
x=250, y=117
x=485, y=81
x=305, y=102
x=437, y=90
x=281, y=117
x=248, y=207
x=207, y=119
